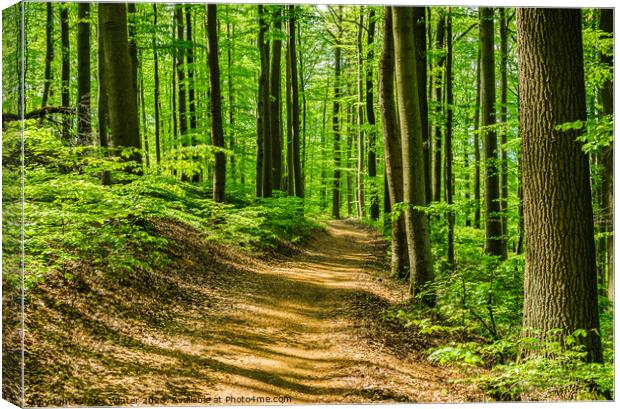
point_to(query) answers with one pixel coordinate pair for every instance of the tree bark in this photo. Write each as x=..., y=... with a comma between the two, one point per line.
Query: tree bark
x=370, y=117
x=560, y=266
x=156, y=79
x=477, y=148
x=439, y=45
x=393, y=150
x=230, y=29
x=190, y=70
x=263, y=108
x=416, y=223
x=217, y=129
x=180, y=69
x=494, y=243
x=49, y=53
x=299, y=183
x=65, y=74
x=102, y=95
x=361, y=148
x=84, y=128
x=122, y=110
x=448, y=140
x=336, y=124
x=503, y=118
x=275, y=85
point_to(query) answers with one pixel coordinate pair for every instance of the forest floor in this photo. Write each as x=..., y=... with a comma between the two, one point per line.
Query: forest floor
x=304, y=328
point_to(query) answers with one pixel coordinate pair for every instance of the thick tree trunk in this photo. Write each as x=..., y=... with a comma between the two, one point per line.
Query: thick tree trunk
x=448, y=140
x=275, y=85
x=494, y=243
x=84, y=128
x=370, y=116
x=264, y=116
x=299, y=183
x=439, y=45
x=122, y=109
x=503, y=118
x=157, y=98
x=419, y=34
x=133, y=48
x=393, y=150
x=65, y=74
x=49, y=53
x=215, y=103
x=414, y=193
x=560, y=266
x=607, y=97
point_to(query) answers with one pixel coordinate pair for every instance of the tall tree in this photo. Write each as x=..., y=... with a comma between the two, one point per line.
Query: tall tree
x=370, y=117
x=180, y=70
x=122, y=108
x=49, y=52
x=263, y=160
x=606, y=25
x=393, y=150
x=133, y=47
x=336, y=190
x=448, y=139
x=65, y=73
x=419, y=34
x=230, y=30
x=84, y=128
x=560, y=266
x=361, y=211
x=494, y=243
x=102, y=95
x=299, y=183
x=414, y=192
x=477, y=147
x=439, y=45
x=503, y=118
x=275, y=85
x=191, y=90
x=217, y=130
x=157, y=105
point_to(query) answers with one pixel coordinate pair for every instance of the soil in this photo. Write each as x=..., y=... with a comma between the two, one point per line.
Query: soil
x=222, y=327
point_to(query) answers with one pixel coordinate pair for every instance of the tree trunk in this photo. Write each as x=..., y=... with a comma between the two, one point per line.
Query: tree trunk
x=439, y=45
x=290, y=168
x=607, y=97
x=299, y=183
x=448, y=140
x=393, y=150
x=102, y=96
x=560, y=266
x=336, y=124
x=494, y=243
x=275, y=85
x=84, y=128
x=215, y=103
x=477, y=148
x=503, y=118
x=230, y=31
x=156, y=79
x=49, y=53
x=65, y=68
x=414, y=193
x=370, y=116
x=133, y=48
x=361, y=205
x=263, y=107
x=190, y=70
x=181, y=85
x=419, y=34
x=122, y=109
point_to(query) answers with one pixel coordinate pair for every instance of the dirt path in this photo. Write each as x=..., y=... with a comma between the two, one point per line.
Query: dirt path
x=217, y=324
x=293, y=333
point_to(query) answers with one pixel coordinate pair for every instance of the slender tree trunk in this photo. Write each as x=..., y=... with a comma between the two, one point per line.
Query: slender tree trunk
x=65, y=68
x=503, y=118
x=102, y=95
x=439, y=45
x=173, y=112
x=49, y=53
x=324, y=149
x=370, y=116
x=180, y=69
x=477, y=148
x=416, y=223
x=122, y=108
x=230, y=31
x=560, y=265
x=448, y=140
x=299, y=183
x=336, y=124
x=275, y=85
x=190, y=70
x=607, y=97
x=303, y=105
x=361, y=204
x=290, y=168
x=419, y=34
x=145, y=133
x=393, y=150
x=156, y=79
x=350, y=135
x=84, y=128
x=494, y=243
x=215, y=103
x=263, y=107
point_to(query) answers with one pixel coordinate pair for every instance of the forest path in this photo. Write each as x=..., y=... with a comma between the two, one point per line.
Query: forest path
x=291, y=332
